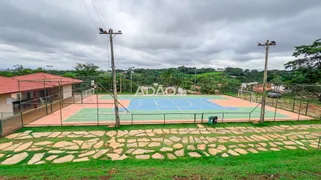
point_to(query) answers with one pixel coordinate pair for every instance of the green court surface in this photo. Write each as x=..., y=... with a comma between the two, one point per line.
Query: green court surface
x=167, y=108
x=91, y=115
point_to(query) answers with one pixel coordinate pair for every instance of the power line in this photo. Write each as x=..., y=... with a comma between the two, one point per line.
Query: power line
x=97, y=13
x=108, y=60
x=92, y=19
x=95, y=27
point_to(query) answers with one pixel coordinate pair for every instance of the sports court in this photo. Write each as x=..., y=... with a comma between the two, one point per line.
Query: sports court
x=99, y=109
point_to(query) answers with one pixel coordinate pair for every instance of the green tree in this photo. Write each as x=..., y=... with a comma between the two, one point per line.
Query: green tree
x=229, y=85
x=307, y=67
x=308, y=56
x=88, y=69
x=234, y=71
x=167, y=75
x=277, y=82
x=70, y=74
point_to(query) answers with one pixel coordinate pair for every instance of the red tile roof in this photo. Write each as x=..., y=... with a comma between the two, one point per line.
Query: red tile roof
x=8, y=85
x=33, y=82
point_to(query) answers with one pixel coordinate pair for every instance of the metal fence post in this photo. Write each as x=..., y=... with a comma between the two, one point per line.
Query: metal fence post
x=222, y=117
x=81, y=94
x=202, y=117
x=194, y=117
x=132, y=116
x=1, y=124
x=20, y=96
x=97, y=110
x=300, y=110
x=306, y=108
x=164, y=118
x=60, y=103
x=276, y=107
x=293, y=105
x=73, y=96
x=44, y=90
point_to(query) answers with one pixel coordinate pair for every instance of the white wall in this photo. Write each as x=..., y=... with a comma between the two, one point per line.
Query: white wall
x=67, y=91
x=5, y=107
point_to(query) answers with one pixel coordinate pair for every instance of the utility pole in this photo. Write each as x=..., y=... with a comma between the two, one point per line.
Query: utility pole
x=131, y=69
x=120, y=80
x=111, y=35
x=266, y=46
x=195, y=81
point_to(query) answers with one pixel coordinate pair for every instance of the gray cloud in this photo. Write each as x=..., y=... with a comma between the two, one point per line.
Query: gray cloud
x=157, y=34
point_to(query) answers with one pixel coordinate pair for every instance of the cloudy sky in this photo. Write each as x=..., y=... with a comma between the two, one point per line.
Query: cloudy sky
x=156, y=34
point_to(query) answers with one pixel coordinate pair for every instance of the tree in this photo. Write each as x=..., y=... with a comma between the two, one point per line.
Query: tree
x=88, y=69
x=277, y=82
x=69, y=74
x=167, y=75
x=228, y=85
x=307, y=67
x=311, y=56
x=234, y=71
x=187, y=84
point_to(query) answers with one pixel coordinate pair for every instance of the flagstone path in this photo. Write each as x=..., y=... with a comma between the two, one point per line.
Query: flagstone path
x=59, y=147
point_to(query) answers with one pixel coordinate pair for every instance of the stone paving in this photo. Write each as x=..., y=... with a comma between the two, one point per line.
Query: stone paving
x=59, y=147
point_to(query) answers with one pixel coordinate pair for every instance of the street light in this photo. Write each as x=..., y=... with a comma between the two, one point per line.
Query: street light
x=266, y=45
x=49, y=66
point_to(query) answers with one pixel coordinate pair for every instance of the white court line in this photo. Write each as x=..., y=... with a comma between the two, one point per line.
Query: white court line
x=140, y=103
x=160, y=105
x=156, y=104
x=206, y=101
x=196, y=105
x=180, y=108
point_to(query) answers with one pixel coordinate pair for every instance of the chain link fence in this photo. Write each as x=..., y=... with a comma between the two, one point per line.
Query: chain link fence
x=89, y=101
x=297, y=98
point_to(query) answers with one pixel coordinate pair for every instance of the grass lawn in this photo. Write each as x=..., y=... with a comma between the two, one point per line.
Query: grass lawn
x=162, y=126
x=285, y=164
x=297, y=164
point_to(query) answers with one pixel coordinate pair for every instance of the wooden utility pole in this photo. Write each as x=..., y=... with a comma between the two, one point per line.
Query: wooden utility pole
x=131, y=70
x=111, y=35
x=120, y=81
x=266, y=46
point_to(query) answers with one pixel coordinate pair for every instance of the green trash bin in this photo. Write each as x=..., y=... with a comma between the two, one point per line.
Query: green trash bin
x=212, y=119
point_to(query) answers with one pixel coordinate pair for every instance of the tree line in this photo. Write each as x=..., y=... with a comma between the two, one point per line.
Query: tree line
x=305, y=69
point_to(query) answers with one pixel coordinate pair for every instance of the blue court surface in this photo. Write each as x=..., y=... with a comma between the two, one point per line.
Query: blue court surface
x=161, y=108
x=174, y=104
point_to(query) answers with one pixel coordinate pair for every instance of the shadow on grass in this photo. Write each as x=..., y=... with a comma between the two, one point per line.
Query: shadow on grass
x=286, y=164
x=163, y=126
